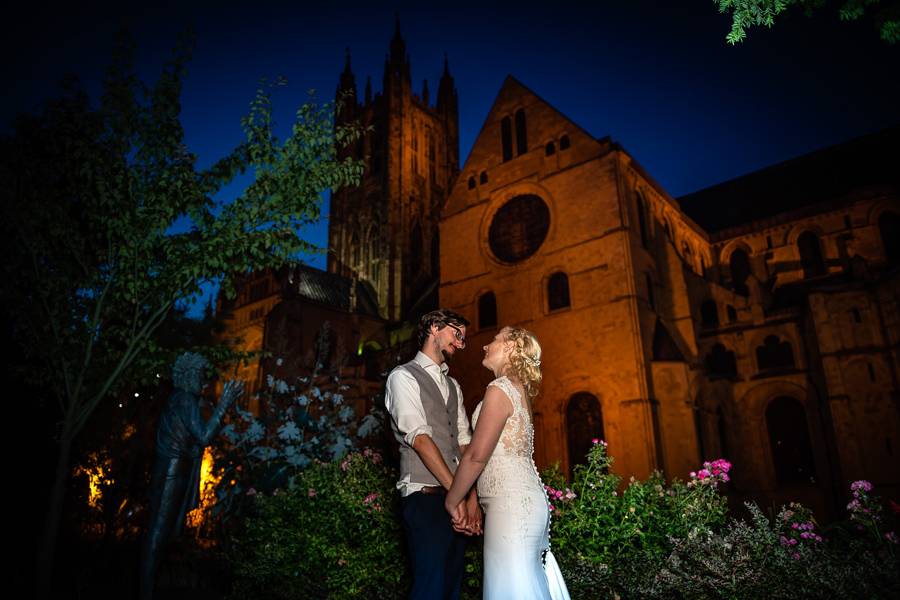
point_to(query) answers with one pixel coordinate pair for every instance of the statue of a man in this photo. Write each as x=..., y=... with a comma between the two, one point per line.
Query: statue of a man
x=181, y=437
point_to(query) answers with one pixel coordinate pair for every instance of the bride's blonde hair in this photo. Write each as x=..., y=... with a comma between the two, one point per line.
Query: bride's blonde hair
x=524, y=359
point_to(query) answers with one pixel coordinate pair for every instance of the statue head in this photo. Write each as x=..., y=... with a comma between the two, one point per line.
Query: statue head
x=189, y=372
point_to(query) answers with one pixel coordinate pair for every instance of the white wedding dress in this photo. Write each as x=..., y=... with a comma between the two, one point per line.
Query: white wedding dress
x=518, y=564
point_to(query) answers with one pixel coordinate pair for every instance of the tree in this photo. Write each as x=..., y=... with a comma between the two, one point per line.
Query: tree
x=91, y=198
x=750, y=13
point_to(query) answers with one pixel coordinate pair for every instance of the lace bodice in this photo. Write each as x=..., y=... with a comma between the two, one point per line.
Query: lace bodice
x=511, y=465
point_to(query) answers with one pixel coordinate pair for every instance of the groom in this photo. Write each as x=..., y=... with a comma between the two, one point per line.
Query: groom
x=430, y=424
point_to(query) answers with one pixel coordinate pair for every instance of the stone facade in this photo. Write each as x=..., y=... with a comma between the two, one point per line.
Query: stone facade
x=385, y=231
x=757, y=320
x=772, y=342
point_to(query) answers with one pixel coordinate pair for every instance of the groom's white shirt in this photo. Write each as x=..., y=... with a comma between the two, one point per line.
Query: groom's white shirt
x=403, y=400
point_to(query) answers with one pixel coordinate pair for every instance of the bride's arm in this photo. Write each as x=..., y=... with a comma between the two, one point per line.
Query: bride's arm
x=495, y=410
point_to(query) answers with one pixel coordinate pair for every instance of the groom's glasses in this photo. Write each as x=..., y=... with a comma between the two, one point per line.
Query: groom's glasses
x=458, y=334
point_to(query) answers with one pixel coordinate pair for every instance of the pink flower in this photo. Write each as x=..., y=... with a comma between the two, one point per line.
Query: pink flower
x=796, y=556
x=595, y=441
x=251, y=492
x=310, y=493
x=552, y=508
x=862, y=484
x=891, y=537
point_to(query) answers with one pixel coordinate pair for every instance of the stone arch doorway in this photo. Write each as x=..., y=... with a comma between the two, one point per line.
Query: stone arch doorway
x=792, y=455
x=584, y=423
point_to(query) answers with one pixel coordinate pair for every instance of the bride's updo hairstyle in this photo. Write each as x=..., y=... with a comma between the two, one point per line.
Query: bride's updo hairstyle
x=525, y=359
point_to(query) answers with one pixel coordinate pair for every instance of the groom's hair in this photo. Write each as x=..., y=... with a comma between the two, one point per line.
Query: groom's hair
x=440, y=317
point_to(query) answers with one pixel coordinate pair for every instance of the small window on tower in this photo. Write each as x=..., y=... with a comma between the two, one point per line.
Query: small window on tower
x=506, y=138
x=558, y=291
x=483, y=177
x=472, y=182
x=550, y=149
x=564, y=143
x=487, y=310
x=521, y=133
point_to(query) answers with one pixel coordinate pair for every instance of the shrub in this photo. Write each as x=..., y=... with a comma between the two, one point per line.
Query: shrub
x=335, y=534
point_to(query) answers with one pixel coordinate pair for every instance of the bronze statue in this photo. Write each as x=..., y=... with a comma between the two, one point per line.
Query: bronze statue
x=181, y=437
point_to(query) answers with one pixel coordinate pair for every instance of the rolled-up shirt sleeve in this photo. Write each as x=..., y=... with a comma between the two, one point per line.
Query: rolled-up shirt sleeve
x=401, y=398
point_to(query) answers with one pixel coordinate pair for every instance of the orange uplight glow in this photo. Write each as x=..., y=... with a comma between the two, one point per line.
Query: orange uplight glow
x=98, y=478
x=209, y=479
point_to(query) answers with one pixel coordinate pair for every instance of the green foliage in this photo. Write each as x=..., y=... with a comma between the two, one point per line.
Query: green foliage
x=303, y=422
x=90, y=209
x=758, y=13
x=335, y=535
x=602, y=525
x=751, y=560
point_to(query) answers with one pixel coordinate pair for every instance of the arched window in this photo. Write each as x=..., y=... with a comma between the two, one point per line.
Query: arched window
x=506, y=138
x=436, y=252
x=487, y=310
x=699, y=430
x=709, y=314
x=483, y=177
x=550, y=149
x=472, y=182
x=720, y=362
x=724, y=450
x=889, y=227
x=564, y=142
x=810, y=254
x=584, y=423
x=642, y=220
x=651, y=297
x=789, y=437
x=558, y=291
x=521, y=133
x=774, y=354
x=355, y=251
x=732, y=314
x=415, y=249
x=739, y=264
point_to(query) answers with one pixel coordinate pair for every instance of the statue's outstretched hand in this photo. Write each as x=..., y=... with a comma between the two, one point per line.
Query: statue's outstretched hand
x=232, y=390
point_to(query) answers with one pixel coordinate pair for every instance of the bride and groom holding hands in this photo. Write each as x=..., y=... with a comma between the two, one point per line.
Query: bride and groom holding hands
x=456, y=483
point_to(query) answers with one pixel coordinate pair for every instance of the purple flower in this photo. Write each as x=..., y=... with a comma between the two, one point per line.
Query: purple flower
x=853, y=505
x=862, y=484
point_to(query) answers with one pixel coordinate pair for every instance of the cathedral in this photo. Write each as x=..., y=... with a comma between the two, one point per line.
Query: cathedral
x=757, y=320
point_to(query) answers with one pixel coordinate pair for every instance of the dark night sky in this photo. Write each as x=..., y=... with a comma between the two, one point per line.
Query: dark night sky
x=661, y=81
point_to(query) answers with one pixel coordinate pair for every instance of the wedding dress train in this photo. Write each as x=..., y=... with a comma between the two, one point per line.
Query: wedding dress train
x=518, y=564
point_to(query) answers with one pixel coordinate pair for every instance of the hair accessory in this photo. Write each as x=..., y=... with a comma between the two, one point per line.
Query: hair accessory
x=534, y=362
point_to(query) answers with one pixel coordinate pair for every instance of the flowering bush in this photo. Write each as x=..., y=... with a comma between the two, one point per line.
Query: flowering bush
x=593, y=521
x=300, y=423
x=334, y=534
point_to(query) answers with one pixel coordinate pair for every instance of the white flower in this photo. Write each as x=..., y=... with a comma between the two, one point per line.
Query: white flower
x=289, y=432
x=368, y=426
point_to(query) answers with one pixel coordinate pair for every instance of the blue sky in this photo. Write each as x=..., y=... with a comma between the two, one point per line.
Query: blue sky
x=660, y=80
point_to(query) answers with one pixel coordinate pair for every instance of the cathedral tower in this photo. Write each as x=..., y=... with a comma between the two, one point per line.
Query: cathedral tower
x=383, y=234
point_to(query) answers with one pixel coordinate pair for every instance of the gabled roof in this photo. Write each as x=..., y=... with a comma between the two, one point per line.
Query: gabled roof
x=827, y=176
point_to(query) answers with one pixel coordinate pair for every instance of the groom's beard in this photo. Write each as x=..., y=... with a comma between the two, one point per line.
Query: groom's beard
x=448, y=356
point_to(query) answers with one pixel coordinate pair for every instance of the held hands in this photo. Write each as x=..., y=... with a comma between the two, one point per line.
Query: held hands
x=466, y=517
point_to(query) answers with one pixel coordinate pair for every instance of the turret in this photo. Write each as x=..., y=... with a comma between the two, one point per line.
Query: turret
x=346, y=91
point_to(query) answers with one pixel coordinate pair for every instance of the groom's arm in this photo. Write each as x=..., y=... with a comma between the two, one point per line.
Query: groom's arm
x=433, y=460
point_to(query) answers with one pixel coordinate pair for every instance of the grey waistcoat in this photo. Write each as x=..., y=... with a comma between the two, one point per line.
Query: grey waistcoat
x=443, y=422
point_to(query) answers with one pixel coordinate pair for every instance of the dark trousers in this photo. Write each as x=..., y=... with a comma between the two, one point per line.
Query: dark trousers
x=436, y=551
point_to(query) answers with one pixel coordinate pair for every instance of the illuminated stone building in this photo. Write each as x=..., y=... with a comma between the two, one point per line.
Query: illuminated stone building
x=757, y=320
x=384, y=233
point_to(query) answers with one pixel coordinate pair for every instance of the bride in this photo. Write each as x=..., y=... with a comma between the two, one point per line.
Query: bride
x=518, y=563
